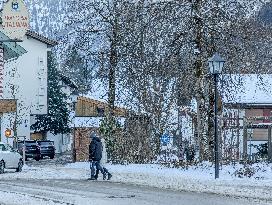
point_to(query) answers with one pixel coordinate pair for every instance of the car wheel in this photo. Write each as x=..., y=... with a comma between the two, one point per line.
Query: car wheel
x=2, y=167
x=20, y=166
x=52, y=157
x=42, y=157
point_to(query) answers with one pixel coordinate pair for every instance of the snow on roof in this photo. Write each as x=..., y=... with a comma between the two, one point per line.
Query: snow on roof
x=251, y=89
x=93, y=121
x=41, y=38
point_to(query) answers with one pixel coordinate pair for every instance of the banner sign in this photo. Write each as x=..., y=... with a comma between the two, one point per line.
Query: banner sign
x=15, y=19
x=7, y=106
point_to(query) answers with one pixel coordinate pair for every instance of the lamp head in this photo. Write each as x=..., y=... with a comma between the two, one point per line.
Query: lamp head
x=216, y=64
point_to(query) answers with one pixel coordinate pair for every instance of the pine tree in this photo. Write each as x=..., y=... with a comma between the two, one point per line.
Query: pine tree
x=57, y=119
x=76, y=68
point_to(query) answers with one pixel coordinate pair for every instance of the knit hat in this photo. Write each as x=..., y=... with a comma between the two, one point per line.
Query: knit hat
x=92, y=135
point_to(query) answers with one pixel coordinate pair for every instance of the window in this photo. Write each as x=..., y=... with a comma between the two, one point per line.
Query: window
x=100, y=111
x=41, y=91
x=40, y=61
x=2, y=147
x=46, y=143
x=9, y=148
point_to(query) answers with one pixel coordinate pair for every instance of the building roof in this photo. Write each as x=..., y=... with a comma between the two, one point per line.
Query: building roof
x=12, y=49
x=236, y=105
x=248, y=88
x=41, y=38
x=87, y=107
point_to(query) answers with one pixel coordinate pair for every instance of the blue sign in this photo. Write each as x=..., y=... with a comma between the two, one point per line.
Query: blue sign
x=165, y=139
x=15, y=5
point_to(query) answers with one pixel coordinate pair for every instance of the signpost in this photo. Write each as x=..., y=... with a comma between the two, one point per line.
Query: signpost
x=165, y=139
x=8, y=132
x=15, y=19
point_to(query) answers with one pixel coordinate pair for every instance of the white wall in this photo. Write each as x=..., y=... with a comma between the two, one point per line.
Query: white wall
x=26, y=80
x=33, y=75
x=62, y=142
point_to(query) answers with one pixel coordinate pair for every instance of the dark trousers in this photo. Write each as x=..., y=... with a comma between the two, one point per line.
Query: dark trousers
x=95, y=165
x=104, y=169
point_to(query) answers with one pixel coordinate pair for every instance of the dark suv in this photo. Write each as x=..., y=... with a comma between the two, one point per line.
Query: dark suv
x=32, y=149
x=47, y=148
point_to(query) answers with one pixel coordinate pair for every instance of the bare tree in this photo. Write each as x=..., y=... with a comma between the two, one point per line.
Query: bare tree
x=155, y=53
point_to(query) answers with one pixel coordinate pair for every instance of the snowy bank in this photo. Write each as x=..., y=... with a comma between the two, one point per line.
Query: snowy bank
x=195, y=178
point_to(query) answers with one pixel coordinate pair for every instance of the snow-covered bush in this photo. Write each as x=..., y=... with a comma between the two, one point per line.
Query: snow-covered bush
x=245, y=172
x=251, y=170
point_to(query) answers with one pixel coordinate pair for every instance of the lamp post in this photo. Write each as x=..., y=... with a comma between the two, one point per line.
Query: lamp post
x=216, y=64
x=74, y=101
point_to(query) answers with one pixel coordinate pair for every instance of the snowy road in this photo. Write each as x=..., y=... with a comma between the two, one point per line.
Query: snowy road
x=47, y=192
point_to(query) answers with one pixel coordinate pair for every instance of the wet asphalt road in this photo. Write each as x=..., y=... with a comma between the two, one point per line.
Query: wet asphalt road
x=85, y=192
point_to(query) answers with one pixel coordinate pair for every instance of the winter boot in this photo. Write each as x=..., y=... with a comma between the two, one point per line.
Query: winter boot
x=104, y=176
x=92, y=178
x=109, y=176
x=96, y=174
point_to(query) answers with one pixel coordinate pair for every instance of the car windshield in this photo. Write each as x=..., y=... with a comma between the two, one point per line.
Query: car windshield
x=2, y=147
x=30, y=143
x=6, y=148
x=46, y=143
x=9, y=148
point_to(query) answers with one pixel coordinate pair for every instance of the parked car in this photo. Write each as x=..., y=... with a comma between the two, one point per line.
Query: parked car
x=32, y=149
x=47, y=148
x=9, y=158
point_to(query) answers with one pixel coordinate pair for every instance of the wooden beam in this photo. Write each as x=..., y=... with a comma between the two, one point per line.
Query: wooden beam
x=269, y=144
x=245, y=140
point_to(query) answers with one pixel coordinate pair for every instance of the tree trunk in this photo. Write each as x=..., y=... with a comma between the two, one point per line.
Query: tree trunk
x=112, y=69
x=198, y=67
x=245, y=140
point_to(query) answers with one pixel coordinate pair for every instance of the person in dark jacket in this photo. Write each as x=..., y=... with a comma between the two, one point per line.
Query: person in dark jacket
x=103, y=161
x=95, y=156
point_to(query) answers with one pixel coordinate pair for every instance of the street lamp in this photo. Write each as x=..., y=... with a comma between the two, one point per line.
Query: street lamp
x=74, y=97
x=216, y=64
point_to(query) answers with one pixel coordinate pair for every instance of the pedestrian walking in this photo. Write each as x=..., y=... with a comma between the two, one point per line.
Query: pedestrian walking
x=103, y=161
x=95, y=156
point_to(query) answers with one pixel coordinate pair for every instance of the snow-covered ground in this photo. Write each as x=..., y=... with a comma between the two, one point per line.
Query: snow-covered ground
x=196, y=178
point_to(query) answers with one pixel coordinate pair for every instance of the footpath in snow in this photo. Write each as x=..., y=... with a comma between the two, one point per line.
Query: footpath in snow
x=196, y=178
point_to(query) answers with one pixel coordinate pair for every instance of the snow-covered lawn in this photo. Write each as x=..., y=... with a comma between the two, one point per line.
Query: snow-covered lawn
x=197, y=179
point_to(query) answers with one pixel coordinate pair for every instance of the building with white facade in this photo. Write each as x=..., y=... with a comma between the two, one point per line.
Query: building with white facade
x=25, y=80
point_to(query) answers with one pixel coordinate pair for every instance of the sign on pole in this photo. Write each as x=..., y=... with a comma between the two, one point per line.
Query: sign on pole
x=15, y=19
x=165, y=139
x=8, y=132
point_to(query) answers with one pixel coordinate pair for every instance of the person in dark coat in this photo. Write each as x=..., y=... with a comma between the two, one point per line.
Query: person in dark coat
x=95, y=156
x=103, y=161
